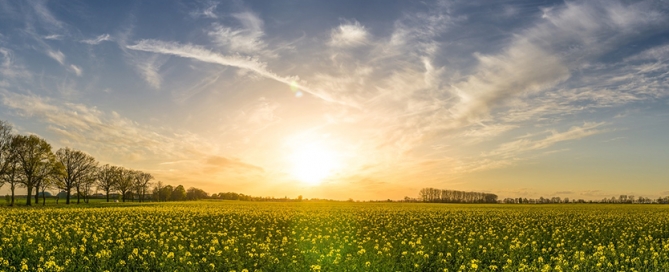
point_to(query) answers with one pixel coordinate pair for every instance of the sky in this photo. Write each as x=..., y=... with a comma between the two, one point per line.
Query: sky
x=350, y=99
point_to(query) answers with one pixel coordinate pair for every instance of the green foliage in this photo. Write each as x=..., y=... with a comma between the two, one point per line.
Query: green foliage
x=246, y=236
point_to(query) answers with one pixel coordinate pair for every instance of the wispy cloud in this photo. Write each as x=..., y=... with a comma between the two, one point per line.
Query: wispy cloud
x=112, y=137
x=98, y=39
x=8, y=66
x=524, y=67
x=57, y=55
x=349, y=35
x=45, y=16
x=246, y=39
x=56, y=37
x=522, y=145
x=149, y=69
x=204, y=55
x=208, y=12
x=76, y=69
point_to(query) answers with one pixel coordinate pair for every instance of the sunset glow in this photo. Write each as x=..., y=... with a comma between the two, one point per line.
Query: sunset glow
x=313, y=163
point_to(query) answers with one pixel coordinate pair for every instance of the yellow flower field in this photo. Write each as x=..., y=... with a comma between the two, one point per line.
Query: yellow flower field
x=247, y=236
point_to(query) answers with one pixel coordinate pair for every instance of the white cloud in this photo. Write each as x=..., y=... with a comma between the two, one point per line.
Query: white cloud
x=98, y=39
x=512, y=149
x=204, y=55
x=76, y=69
x=57, y=55
x=8, y=67
x=107, y=132
x=207, y=12
x=349, y=35
x=241, y=40
x=45, y=15
x=524, y=67
x=149, y=69
x=54, y=37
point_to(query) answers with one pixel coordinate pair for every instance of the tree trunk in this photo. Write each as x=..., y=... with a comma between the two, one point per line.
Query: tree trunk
x=123, y=196
x=78, y=194
x=30, y=194
x=12, y=188
x=37, y=194
x=107, y=196
x=43, y=198
x=67, y=198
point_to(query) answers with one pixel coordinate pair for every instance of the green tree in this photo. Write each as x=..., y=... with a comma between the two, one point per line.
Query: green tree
x=33, y=155
x=179, y=193
x=6, y=154
x=196, y=194
x=166, y=193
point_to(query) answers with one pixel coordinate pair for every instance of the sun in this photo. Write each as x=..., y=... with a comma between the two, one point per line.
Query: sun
x=312, y=163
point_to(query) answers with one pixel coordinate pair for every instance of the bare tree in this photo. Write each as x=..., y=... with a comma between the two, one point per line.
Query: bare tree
x=32, y=154
x=79, y=167
x=86, y=185
x=106, y=178
x=157, y=189
x=141, y=183
x=124, y=181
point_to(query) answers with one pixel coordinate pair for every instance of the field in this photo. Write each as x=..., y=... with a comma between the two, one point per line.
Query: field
x=247, y=236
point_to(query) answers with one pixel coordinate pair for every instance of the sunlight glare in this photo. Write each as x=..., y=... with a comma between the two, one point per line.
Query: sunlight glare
x=313, y=163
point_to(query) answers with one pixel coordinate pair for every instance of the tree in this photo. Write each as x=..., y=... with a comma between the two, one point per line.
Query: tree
x=123, y=181
x=106, y=178
x=50, y=180
x=141, y=183
x=79, y=167
x=6, y=154
x=84, y=187
x=157, y=190
x=12, y=176
x=166, y=192
x=179, y=193
x=195, y=194
x=33, y=154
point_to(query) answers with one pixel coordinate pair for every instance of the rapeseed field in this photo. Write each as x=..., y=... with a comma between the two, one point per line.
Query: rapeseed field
x=247, y=236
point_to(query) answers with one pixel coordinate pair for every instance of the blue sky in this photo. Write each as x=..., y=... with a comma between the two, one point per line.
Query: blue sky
x=339, y=99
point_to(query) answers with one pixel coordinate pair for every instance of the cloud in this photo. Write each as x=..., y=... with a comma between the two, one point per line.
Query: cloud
x=8, y=67
x=76, y=69
x=222, y=163
x=204, y=55
x=541, y=57
x=523, y=67
x=514, y=148
x=149, y=69
x=98, y=39
x=241, y=40
x=57, y=55
x=107, y=134
x=660, y=52
x=45, y=16
x=564, y=193
x=207, y=12
x=349, y=35
x=57, y=37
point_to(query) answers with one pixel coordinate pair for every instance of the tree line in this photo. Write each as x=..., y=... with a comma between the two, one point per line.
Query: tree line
x=622, y=199
x=452, y=196
x=27, y=161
